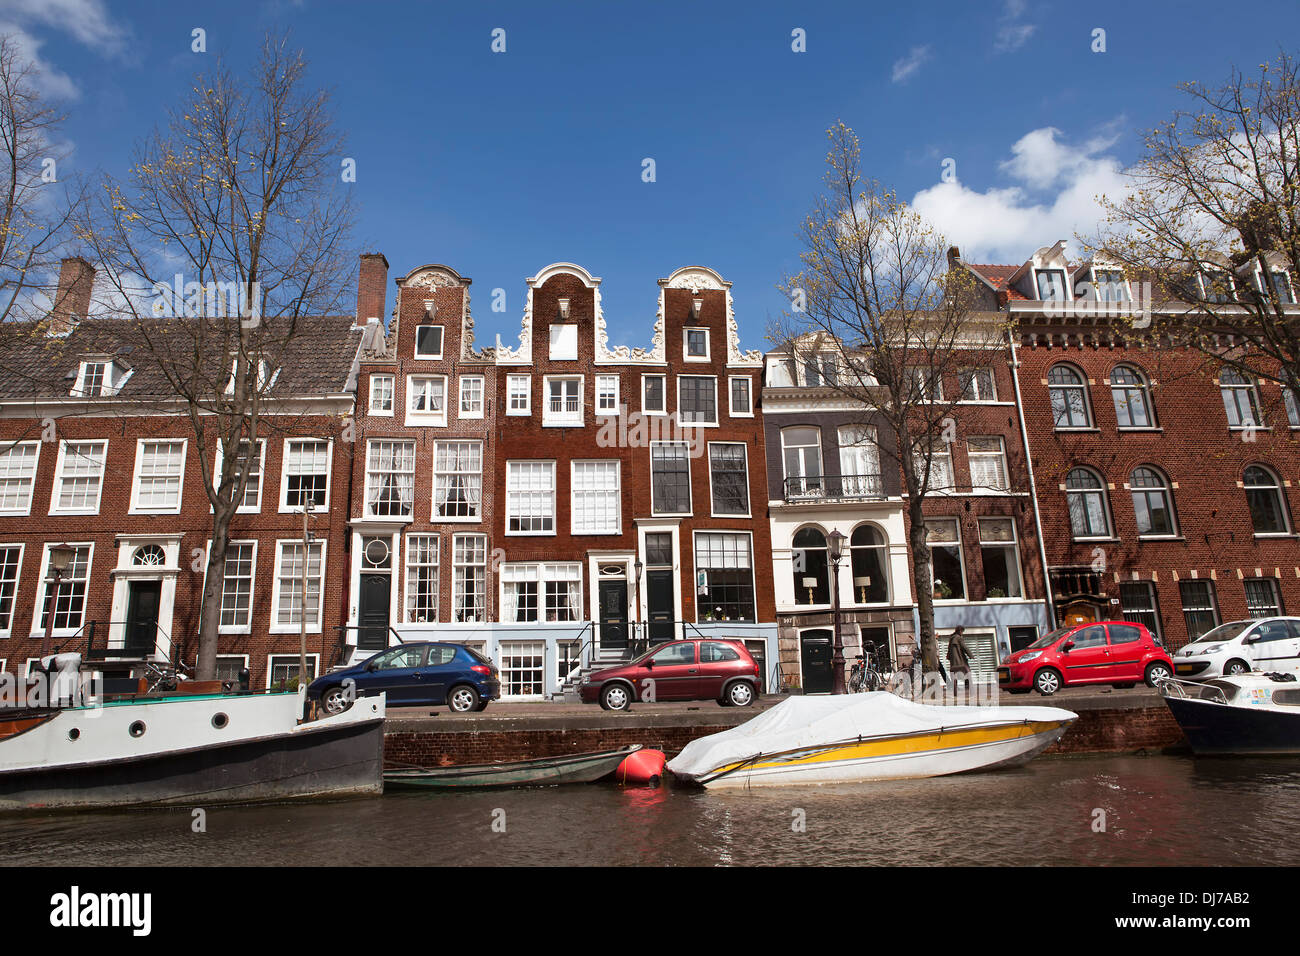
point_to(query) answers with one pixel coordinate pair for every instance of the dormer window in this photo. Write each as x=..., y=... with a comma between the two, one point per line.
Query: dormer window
x=1051, y=285
x=1109, y=286
x=428, y=341
x=265, y=375
x=1218, y=286
x=1280, y=283
x=94, y=379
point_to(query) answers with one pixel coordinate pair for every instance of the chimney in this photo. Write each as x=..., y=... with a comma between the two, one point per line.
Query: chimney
x=72, y=299
x=371, y=287
x=954, y=257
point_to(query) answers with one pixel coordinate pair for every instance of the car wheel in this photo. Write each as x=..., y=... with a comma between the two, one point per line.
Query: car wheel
x=1156, y=673
x=463, y=699
x=1233, y=668
x=615, y=697
x=334, y=701
x=1047, y=681
x=740, y=694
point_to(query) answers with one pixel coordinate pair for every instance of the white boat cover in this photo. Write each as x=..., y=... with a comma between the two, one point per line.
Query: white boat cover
x=816, y=721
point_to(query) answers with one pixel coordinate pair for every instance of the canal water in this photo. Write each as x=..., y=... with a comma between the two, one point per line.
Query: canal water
x=1084, y=810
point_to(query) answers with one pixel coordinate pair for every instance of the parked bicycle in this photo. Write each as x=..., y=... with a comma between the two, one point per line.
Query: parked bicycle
x=872, y=671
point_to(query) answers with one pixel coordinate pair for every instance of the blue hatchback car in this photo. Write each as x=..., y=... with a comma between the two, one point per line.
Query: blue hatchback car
x=423, y=673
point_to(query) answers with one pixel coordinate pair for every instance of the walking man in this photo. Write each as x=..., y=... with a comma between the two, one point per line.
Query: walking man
x=959, y=659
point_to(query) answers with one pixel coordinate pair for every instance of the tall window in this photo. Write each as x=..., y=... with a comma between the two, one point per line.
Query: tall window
x=427, y=398
x=70, y=598
x=670, y=478
x=811, y=567
x=606, y=394
x=741, y=402
x=802, y=452
x=729, y=479
x=697, y=399
x=530, y=497
x=381, y=395
x=988, y=463
x=306, y=473
x=1280, y=282
x=1000, y=557
x=237, y=587
x=519, y=394
x=1263, y=599
x=869, y=558
x=80, y=477
x=18, y=477
x=1138, y=602
x=390, y=479
x=10, y=557
x=1199, y=609
x=724, y=568
x=939, y=463
x=977, y=385
x=944, y=539
x=1152, y=502
x=1110, y=286
x=1264, y=496
x=1085, y=495
x=652, y=394
x=471, y=396
x=457, y=479
x=469, y=577
x=924, y=382
x=422, y=579
x=158, y=469
x=288, y=585
x=1291, y=399
x=597, y=498
x=1128, y=389
x=93, y=380
x=1069, y=397
x=563, y=401
x=859, y=461
x=248, y=461
x=1051, y=285
x=1240, y=401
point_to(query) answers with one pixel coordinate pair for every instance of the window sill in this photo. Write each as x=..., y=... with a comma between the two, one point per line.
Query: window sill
x=1095, y=540
x=1082, y=429
x=1250, y=428
x=1276, y=535
x=1161, y=537
x=451, y=519
x=1138, y=429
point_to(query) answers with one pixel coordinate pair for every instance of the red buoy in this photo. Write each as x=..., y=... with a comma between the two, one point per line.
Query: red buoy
x=641, y=767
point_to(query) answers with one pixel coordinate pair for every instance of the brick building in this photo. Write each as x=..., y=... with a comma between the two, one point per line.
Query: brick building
x=556, y=502
x=1165, y=484
x=97, y=455
x=832, y=466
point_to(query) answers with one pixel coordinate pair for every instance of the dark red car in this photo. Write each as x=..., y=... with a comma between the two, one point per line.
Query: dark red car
x=713, y=669
x=1119, y=653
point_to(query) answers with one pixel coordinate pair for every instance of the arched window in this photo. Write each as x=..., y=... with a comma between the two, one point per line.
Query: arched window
x=1153, y=503
x=149, y=556
x=1264, y=496
x=870, y=559
x=1240, y=401
x=1128, y=388
x=811, y=567
x=1069, y=397
x=1085, y=493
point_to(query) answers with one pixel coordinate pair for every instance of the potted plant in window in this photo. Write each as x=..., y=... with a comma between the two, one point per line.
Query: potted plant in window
x=997, y=593
x=942, y=591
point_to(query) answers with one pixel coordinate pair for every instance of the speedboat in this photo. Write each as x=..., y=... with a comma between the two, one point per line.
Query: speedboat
x=193, y=750
x=1243, y=714
x=860, y=737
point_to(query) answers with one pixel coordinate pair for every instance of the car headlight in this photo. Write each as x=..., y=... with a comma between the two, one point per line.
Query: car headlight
x=1212, y=649
x=1030, y=656
x=586, y=680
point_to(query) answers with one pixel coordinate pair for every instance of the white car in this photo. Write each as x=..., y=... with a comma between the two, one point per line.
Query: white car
x=1258, y=644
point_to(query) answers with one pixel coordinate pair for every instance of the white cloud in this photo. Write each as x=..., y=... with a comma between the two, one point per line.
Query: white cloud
x=86, y=21
x=1054, y=196
x=52, y=82
x=905, y=66
x=1012, y=33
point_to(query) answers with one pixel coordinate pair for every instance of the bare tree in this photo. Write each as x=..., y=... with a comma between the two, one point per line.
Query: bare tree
x=1212, y=223
x=875, y=290
x=232, y=226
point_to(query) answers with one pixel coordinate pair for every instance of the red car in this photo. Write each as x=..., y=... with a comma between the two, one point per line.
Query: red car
x=713, y=669
x=1119, y=653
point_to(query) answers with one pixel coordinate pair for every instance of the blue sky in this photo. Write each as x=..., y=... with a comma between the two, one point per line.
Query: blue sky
x=499, y=163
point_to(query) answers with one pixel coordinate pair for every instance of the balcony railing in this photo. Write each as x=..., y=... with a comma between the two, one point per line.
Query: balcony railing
x=834, y=488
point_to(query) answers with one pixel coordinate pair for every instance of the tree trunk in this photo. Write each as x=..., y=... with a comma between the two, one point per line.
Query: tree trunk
x=210, y=615
x=921, y=582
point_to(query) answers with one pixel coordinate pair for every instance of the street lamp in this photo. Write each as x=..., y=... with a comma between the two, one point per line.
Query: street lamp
x=835, y=545
x=61, y=558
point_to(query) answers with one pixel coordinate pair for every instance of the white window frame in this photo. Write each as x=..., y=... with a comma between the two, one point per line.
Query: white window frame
x=285, y=508
x=294, y=628
x=136, y=508
x=5, y=452
x=617, y=492
x=442, y=341
x=663, y=378
x=749, y=389
x=59, y=478
x=435, y=471
x=438, y=418
x=261, y=477
x=39, y=603
x=744, y=458
x=108, y=385
x=532, y=464
x=605, y=380
x=974, y=371
x=313, y=665
x=252, y=590
x=370, y=474
x=516, y=572
x=697, y=424
x=242, y=658
x=408, y=566
x=961, y=559
x=457, y=587
x=391, y=380
x=8, y=628
x=982, y=456
x=686, y=346
x=1013, y=544
x=690, y=489
x=935, y=455
x=482, y=396
x=552, y=419
x=695, y=563
x=512, y=381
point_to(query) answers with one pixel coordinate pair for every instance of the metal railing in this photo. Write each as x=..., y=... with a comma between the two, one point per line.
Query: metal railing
x=834, y=488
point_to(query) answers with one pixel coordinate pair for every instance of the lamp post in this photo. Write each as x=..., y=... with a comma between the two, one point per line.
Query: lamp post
x=835, y=545
x=61, y=558
x=302, y=618
x=637, y=568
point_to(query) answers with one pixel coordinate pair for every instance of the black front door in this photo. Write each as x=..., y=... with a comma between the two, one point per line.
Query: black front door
x=372, y=615
x=142, y=617
x=659, y=604
x=816, y=653
x=613, y=614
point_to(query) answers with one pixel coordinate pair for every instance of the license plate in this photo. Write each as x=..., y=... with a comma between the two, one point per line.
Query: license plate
x=1184, y=669
x=1004, y=673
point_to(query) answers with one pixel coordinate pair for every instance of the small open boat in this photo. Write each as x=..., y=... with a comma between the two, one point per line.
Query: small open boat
x=1245, y=714
x=541, y=772
x=860, y=737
